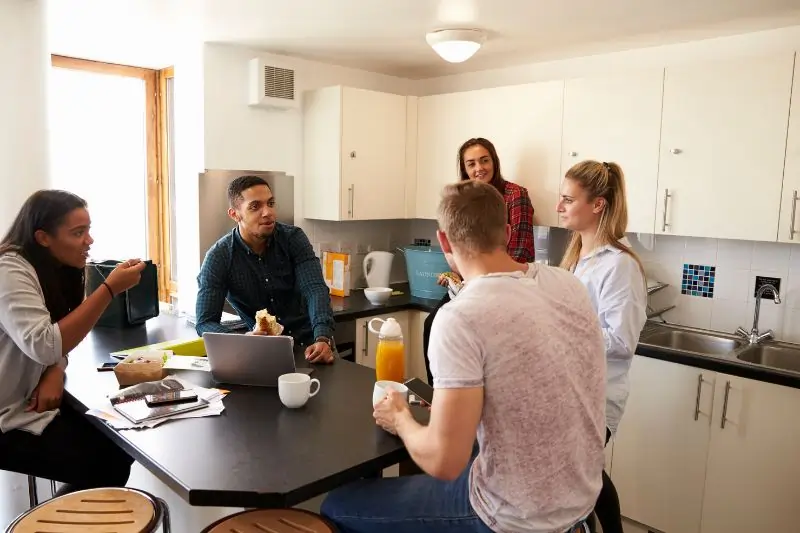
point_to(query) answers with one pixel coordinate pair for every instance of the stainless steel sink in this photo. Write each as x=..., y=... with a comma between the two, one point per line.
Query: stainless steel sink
x=772, y=355
x=690, y=341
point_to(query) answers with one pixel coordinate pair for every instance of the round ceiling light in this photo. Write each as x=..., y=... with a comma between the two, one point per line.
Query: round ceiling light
x=455, y=46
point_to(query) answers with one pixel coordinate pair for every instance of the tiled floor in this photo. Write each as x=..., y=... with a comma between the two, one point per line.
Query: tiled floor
x=14, y=500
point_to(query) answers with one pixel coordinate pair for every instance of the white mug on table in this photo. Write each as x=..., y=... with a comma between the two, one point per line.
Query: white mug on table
x=382, y=387
x=294, y=389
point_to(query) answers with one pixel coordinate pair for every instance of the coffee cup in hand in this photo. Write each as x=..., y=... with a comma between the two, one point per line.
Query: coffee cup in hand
x=294, y=389
x=383, y=387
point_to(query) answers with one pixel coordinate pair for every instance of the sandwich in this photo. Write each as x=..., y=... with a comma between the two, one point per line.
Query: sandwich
x=266, y=323
x=452, y=281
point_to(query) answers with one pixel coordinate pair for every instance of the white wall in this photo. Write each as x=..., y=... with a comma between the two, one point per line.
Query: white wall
x=23, y=105
x=737, y=265
x=237, y=136
x=189, y=161
x=751, y=44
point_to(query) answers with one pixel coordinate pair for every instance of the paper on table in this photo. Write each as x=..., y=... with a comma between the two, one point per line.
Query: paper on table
x=187, y=362
x=214, y=397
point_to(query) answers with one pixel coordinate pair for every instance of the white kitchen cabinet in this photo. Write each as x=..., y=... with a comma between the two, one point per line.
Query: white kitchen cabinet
x=367, y=342
x=618, y=118
x=522, y=121
x=354, y=150
x=789, y=226
x=753, y=475
x=723, y=141
x=661, y=447
x=444, y=121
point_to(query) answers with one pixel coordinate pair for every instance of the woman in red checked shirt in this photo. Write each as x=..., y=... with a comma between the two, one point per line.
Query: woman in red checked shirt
x=477, y=160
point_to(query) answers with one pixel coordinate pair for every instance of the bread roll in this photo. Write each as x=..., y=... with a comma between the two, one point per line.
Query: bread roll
x=266, y=323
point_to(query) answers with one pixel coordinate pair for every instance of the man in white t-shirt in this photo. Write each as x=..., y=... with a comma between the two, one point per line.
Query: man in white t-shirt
x=518, y=360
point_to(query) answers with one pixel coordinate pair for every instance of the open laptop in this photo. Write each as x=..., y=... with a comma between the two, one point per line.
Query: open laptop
x=254, y=360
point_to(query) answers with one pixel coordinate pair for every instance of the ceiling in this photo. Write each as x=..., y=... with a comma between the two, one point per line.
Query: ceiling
x=388, y=36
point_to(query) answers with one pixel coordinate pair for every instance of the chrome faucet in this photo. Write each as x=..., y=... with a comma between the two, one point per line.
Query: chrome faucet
x=754, y=337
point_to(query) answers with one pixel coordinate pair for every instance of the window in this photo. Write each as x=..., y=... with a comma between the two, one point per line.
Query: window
x=169, y=253
x=107, y=126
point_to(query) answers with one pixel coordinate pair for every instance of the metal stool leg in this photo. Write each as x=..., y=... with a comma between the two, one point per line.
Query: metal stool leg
x=32, y=494
x=166, y=526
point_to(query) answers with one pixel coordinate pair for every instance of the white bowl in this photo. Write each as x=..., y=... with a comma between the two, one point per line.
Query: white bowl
x=378, y=295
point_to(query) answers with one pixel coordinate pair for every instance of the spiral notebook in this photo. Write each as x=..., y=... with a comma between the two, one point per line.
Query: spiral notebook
x=131, y=403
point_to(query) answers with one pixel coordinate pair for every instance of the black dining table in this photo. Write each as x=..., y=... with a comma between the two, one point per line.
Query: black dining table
x=257, y=453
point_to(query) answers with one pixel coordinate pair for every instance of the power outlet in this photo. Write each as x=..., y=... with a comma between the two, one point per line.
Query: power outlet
x=764, y=280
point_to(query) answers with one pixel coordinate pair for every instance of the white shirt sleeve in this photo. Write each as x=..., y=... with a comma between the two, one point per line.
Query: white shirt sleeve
x=621, y=308
x=23, y=313
x=454, y=352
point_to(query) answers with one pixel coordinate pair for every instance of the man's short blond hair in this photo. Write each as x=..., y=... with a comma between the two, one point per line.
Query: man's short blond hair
x=473, y=215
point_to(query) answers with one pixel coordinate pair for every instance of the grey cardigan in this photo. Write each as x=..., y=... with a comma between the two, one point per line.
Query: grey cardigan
x=29, y=343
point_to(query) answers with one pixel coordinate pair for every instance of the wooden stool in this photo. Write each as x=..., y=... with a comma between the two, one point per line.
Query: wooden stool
x=95, y=511
x=272, y=521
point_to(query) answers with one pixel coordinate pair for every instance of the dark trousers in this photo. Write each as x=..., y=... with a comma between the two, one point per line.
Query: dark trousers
x=607, y=509
x=70, y=450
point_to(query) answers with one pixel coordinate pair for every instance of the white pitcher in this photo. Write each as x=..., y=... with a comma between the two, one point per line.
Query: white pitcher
x=378, y=268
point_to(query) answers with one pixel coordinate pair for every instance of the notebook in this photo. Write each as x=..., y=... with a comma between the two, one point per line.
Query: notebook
x=133, y=406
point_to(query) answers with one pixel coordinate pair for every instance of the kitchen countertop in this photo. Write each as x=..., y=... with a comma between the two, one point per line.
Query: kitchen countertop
x=726, y=364
x=357, y=306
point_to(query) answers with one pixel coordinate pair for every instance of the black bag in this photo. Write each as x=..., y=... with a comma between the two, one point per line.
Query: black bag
x=132, y=307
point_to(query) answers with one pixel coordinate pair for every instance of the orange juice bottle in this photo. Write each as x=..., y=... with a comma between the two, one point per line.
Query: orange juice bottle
x=390, y=359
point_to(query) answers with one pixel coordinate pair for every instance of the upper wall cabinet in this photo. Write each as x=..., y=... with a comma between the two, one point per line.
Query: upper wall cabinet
x=354, y=154
x=522, y=121
x=618, y=119
x=444, y=121
x=722, y=150
x=789, y=227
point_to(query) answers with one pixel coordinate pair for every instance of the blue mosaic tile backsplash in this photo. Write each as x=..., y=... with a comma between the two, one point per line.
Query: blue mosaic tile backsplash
x=698, y=280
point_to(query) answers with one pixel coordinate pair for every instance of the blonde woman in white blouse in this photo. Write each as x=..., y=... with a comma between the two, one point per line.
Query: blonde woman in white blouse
x=43, y=316
x=593, y=206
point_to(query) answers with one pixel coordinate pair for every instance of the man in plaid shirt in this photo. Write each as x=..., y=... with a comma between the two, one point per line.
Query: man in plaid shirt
x=264, y=264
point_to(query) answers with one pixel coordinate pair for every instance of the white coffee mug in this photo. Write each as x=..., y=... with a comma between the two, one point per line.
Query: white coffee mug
x=295, y=389
x=382, y=387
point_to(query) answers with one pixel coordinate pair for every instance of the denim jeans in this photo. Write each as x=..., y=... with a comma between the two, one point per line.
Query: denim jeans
x=409, y=504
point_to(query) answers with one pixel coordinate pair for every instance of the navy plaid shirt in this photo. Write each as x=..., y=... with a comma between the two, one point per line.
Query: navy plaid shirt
x=286, y=280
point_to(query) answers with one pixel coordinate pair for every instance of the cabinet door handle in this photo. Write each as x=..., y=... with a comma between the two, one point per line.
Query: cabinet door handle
x=365, y=349
x=350, y=200
x=664, y=223
x=725, y=404
x=792, y=231
x=700, y=381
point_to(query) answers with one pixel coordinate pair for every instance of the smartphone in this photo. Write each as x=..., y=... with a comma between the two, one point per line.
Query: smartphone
x=105, y=367
x=171, y=397
x=420, y=389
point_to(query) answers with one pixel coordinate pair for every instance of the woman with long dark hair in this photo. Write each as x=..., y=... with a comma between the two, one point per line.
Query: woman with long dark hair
x=44, y=314
x=478, y=160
